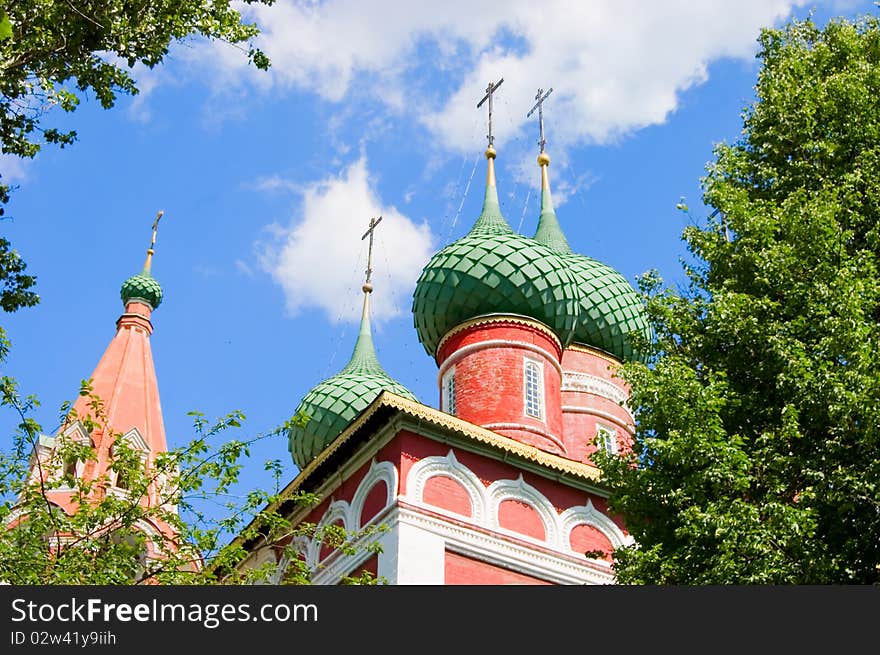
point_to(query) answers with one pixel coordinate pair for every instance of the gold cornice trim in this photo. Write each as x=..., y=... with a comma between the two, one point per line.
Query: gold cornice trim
x=442, y=419
x=420, y=412
x=500, y=318
x=579, y=347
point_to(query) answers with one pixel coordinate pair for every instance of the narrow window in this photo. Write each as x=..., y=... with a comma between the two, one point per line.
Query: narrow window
x=448, y=395
x=606, y=439
x=70, y=467
x=534, y=389
x=126, y=475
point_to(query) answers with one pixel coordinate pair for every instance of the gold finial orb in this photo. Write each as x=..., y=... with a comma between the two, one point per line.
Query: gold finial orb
x=367, y=288
x=490, y=153
x=543, y=159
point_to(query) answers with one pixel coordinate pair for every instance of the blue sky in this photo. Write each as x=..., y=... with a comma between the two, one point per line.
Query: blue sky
x=268, y=180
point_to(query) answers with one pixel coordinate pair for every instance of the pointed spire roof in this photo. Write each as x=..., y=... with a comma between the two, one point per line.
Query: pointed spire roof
x=549, y=231
x=610, y=308
x=332, y=404
x=490, y=220
x=125, y=377
x=363, y=357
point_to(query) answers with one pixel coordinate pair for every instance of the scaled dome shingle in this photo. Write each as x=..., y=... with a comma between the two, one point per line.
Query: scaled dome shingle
x=332, y=404
x=494, y=270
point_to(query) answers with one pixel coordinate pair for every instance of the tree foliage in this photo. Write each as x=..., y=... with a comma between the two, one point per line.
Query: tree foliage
x=51, y=52
x=55, y=52
x=757, y=453
x=194, y=490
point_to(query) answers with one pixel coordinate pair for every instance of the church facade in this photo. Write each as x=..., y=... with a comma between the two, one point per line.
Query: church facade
x=496, y=484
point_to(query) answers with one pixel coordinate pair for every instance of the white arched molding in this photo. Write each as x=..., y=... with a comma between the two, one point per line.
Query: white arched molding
x=589, y=515
x=47, y=449
x=136, y=441
x=339, y=510
x=449, y=467
x=521, y=491
x=379, y=472
x=298, y=547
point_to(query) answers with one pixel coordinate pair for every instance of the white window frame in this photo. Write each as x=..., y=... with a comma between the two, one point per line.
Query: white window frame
x=76, y=435
x=447, y=391
x=606, y=438
x=136, y=442
x=539, y=389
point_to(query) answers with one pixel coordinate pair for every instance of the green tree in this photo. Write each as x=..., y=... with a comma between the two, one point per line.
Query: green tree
x=193, y=489
x=757, y=452
x=54, y=52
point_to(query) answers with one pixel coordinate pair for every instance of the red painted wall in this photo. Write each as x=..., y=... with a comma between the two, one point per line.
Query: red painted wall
x=587, y=538
x=461, y=570
x=520, y=517
x=580, y=427
x=489, y=381
x=446, y=493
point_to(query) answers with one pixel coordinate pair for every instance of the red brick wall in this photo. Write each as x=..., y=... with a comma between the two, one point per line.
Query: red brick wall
x=489, y=382
x=587, y=538
x=520, y=517
x=375, y=501
x=461, y=570
x=579, y=428
x=446, y=493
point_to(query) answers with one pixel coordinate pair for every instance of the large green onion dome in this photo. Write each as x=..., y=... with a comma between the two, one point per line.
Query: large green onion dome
x=142, y=286
x=335, y=402
x=610, y=308
x=494, y=270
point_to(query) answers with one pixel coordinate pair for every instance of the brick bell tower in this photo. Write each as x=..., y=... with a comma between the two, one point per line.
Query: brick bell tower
x=496, y=486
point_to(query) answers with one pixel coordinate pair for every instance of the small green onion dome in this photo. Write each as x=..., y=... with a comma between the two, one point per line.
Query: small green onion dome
x=610, y=308
x=334, y=403
x=142, y=286
x=493, y=270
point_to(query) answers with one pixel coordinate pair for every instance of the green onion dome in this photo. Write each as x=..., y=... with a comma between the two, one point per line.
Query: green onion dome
x=610, y=308
x=142, y=286
x=494, y=270
x=335, y=402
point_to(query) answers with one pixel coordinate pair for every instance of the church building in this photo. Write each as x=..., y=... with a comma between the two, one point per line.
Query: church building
x=496, y=484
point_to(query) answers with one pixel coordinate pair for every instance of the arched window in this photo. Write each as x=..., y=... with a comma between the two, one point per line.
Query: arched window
x=126, y=472
x=533, y=389
x=448, y=391
x=74, y=462
x=606, y=439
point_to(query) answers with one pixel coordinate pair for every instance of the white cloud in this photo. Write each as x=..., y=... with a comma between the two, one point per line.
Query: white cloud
x=615, y=65
x=273, y=183
x=13, y=169
x=320, y=259
x=147, y=79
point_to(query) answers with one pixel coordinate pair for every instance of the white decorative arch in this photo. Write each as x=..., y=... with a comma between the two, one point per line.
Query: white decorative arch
x=136, y=441
x=521, y=491
x=77, y=431
x=449, y=467
x=338, y=510
x=589, y=515
x=379, y=472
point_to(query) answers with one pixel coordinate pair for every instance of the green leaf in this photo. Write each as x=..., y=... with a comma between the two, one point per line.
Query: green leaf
x=5, y=28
